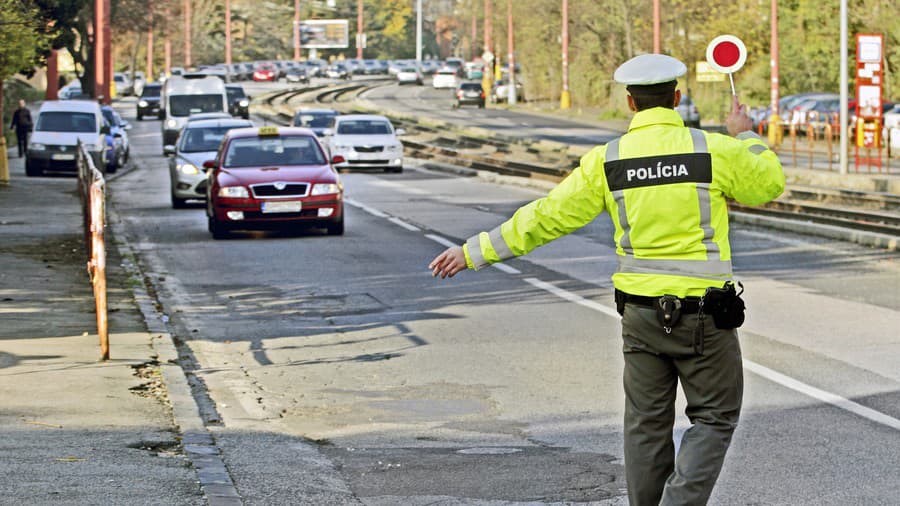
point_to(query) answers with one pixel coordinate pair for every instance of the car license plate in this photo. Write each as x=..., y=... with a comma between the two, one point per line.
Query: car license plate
x=63, y=156
x=293, y=206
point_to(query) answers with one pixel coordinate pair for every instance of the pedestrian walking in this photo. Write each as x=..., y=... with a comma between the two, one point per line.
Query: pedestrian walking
x=22, y=124
x=664, y=187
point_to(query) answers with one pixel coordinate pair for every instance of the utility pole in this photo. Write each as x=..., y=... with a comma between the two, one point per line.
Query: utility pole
x=296, y=30
x=228, y=36
x=473, y=44
x=565, y=100
x=419, y=32
x=487, y=79
x=167, y=44
x=102, y=52
x=774, y=119
x=656, y=48
x=844, y=91
x=187, y=34
x=149, y=54
x=359, y=30
x=511, y=55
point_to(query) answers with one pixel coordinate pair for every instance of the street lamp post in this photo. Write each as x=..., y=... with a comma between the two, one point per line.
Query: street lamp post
x=511, y=51
x=296, y=30
x=419, y=32
x=487, y=79
x=656, y=44
x=565, y=100
x=774, y=120
x=359, y=30
x=228, y=35
x=187, y=34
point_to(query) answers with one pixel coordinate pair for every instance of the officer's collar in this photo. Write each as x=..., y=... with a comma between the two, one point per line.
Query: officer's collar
x=656, y=116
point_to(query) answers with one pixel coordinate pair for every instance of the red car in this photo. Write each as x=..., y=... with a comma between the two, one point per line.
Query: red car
x=265, y=72
x=271, y=177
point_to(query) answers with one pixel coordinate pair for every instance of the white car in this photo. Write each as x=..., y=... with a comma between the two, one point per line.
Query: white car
x=364, y=141
x=892, y=128
x=445, y=78
x=409, y=75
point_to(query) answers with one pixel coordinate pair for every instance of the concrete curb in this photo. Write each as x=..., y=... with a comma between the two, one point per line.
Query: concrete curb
x=199, y=446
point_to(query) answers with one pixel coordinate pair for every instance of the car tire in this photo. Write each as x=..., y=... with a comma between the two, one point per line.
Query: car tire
x=31, y=170
x=218, y=230
x=178, y=203
x=140, y=117
x=336, y=228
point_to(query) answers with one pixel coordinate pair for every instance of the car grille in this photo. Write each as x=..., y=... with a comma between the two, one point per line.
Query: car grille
x=269, y=190
x=368, y=149
x=368, y=162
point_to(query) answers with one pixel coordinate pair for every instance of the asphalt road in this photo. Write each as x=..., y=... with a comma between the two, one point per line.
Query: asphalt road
x=338, y=366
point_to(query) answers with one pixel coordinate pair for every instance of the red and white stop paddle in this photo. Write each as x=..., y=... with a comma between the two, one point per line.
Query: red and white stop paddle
x=726, y=54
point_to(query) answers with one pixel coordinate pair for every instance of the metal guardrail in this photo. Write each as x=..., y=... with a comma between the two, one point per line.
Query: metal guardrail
x=92, y=190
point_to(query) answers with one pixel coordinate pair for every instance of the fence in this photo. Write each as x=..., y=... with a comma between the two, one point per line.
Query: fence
x=92, y=189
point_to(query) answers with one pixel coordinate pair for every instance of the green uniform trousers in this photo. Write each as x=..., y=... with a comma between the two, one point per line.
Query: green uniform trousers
x=713, y=386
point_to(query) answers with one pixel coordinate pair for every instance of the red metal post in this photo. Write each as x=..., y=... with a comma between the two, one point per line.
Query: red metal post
x=359, y=29
x=98, y=48
x=150, y=54
x=296, y=30
x=107, y=52
x=52, y=76
x=228, y=33
x=187, y=34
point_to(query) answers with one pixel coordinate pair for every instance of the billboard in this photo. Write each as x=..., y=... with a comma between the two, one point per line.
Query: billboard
x=324, y=33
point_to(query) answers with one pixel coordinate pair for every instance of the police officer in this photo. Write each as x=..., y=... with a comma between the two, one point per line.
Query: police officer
x=22, y=124
x=664, y=187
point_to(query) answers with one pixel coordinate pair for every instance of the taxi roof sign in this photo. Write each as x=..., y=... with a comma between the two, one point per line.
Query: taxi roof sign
x=268, y=131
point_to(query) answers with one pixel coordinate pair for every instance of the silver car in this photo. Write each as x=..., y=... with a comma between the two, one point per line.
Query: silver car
x=197, y=143
x=688, y=111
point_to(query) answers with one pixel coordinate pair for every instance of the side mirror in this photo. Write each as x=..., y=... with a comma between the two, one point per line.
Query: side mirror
x=400, y=131
x=209, y=164
x=169, y=149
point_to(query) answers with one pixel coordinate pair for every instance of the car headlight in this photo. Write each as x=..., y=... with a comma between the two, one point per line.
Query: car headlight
x=143, y=103
x=244, y=103
x=325, y=189
x=234, y=192
x=37, y=147
x=188, y=168
x=171, y=123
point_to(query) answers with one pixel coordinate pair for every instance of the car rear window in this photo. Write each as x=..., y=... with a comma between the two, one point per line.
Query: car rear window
x=470, y=86
x=364, y=127
x=65, y=121
x=273, y=151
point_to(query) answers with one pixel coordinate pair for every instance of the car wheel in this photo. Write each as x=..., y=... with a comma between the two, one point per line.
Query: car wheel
x=31, y=170
x=336, y=228
x=218, y=230
x=140, y=117
x=178, y=203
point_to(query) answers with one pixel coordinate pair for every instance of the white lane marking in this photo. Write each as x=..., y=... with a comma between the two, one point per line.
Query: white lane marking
x=827, y=397
x=507, y=269
x=776, y=377
x=370, y=210
x=440, y=240
x=571, y=297
x=407, y=226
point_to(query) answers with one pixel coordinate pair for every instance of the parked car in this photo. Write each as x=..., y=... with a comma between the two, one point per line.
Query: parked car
x=338, y=71
x=409, y=74
x=118, y=129
x=265, y=72
x=148, y=103
x=501, y=91
x=297, y=75
x=469, y=93
x=198, y=142
x=317, y=120
x=688, y=111
x=365, y=141
x=892, y=127
x=272, y=177
x=124, y=86
x=73, y=91
x=446, y=77
x=238, y=101
x=59, y=126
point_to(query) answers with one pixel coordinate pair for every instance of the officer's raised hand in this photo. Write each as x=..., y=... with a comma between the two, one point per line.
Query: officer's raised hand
x=738, y=121
x=448, y=263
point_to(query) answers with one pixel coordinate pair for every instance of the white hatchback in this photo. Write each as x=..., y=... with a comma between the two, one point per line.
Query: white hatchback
x=445, y=78
x=364, y=141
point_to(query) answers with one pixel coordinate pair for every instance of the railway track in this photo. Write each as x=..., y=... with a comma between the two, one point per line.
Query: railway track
x=852, y=209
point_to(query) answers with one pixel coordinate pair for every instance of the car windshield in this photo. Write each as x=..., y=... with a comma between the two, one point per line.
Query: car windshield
x=64, y=121
x=235, y=93
x=196, y=140
x=315, y=120
x=185, y=105
x=273, y=151
x=364, y=127
x=151, y=91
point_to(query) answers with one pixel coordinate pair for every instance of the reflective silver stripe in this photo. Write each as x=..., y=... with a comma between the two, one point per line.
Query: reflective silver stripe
x=625, y=240
x=749, y=134
x=757, y=148
x=707, y=269
x=474, y=247
x=699, y=139
x=612, y=150
x=499, y=244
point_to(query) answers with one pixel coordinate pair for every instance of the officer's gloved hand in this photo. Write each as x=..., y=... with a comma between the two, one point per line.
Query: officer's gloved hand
x=738, y=121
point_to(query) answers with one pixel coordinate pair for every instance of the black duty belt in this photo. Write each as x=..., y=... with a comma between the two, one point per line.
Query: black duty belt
x=688, y=304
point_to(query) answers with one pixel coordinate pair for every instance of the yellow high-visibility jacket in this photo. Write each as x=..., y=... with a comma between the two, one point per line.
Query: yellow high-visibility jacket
x=664, y=187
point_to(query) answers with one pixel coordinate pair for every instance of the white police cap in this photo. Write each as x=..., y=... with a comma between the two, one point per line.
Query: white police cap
x=648, y=69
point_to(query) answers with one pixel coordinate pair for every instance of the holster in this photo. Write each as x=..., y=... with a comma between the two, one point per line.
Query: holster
x=725, y=305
